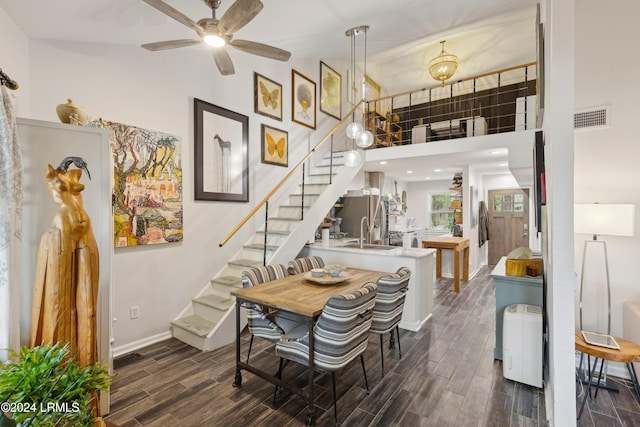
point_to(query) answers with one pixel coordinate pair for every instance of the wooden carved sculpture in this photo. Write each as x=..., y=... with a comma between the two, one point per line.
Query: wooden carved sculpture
x=67, y=270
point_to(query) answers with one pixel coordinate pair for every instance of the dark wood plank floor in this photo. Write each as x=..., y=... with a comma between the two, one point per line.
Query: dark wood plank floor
x=447, y=377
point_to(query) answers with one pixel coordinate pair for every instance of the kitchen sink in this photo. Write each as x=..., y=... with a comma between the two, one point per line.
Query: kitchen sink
x=369, y=246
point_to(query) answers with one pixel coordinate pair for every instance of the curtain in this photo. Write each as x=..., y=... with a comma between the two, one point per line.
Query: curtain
x=11, y=173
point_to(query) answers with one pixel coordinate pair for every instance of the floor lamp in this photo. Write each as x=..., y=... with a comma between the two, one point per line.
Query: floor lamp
x=601, y=219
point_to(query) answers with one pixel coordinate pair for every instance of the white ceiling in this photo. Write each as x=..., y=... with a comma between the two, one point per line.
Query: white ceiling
x=486, y=35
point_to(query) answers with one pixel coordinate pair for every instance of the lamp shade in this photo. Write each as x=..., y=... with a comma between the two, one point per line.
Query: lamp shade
x=606, y=219
x=443, y=66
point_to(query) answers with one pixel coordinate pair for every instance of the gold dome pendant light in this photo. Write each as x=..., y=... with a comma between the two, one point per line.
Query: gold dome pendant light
x=443, y=66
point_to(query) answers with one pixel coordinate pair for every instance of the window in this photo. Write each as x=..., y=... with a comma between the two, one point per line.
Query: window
x=440, y=213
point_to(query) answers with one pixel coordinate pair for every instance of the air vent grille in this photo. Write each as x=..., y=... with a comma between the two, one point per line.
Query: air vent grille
x=592, y=118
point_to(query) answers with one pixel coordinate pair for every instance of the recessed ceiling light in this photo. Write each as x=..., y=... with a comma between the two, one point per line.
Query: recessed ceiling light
x=427, y=177
x=437, y=170
x=409, y=171
x=383, y=162
x=494, y=152
x=503, y=164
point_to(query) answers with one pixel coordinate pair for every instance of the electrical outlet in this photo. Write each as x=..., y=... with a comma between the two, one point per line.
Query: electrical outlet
x=134, y=312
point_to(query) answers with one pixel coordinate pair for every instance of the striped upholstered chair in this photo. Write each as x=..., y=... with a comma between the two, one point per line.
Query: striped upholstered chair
x=304, y=264
x=267, y=325
x=340, y=335
x=392, y=290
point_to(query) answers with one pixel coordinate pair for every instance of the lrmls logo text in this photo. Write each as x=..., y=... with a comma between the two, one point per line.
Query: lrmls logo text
x=59, y=407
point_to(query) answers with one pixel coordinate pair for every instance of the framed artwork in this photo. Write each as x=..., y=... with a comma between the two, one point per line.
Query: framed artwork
x=303, y=100
x=268, y=97
x=275, y=146
x=147, y=194
x=221, y=153
x=330, y=91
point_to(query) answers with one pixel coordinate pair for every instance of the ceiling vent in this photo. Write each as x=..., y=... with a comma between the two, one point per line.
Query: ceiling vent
x=591, y=118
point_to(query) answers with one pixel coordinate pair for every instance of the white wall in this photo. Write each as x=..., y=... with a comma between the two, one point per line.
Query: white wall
x=155, y=90
x=14, y=51
x=606, y=160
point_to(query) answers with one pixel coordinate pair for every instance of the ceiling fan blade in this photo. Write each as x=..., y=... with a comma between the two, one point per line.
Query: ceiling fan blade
x=170, y=44
x=261, y=49
x=238, y=15
x=173, y=13
x=223, y=61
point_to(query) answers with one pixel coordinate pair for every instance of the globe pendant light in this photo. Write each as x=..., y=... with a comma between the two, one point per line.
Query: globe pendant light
x=364, y=139
x=352, y=158
x=355, y=130
x=443, y=66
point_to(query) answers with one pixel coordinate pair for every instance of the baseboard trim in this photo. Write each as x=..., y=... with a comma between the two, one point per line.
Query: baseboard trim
x=415, y=326
x=135, y=345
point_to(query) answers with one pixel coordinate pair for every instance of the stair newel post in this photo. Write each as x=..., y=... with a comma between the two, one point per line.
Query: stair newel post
x=266, y=232
x=498, y=106
x=302, y=202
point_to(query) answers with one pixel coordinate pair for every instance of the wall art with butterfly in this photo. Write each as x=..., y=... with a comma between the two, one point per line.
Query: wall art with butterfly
x=275, y=146
x=330, y=91
x=303, y=100
x=268, y=97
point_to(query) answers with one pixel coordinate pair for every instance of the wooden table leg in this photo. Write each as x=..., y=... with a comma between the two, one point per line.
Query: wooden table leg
x=465, y=271
x=456, y=271
x=438, y=263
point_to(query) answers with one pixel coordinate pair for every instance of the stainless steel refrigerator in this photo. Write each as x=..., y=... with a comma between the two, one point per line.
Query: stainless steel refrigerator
x=375, y=208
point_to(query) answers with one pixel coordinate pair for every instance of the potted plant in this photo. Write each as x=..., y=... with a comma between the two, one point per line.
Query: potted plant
x=46, y=386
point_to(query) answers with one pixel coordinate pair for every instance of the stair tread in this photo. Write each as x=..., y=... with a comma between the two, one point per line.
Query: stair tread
x=195, y=324
x=260, y=246
x=283, y=218
x=215, y=301
x=250, y=263
x=228, y=281
x=281, y=232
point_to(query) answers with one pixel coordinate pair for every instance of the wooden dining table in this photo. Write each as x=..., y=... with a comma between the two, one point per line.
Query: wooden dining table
x=295, y=294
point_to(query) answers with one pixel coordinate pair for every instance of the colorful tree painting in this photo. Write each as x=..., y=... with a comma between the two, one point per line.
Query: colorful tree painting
x=147, y=190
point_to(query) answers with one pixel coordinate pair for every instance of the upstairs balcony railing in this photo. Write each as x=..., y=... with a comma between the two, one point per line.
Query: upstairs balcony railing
x=491, y=103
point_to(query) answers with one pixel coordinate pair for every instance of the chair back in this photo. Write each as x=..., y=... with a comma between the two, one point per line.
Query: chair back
x=392, y=290
x=257, y=321
x=340, y=334
x=304, y=264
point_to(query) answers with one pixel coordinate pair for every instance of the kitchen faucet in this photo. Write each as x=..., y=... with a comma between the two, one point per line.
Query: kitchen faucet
x=361, y=233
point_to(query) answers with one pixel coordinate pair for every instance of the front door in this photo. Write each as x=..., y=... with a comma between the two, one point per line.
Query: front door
x=508, y=222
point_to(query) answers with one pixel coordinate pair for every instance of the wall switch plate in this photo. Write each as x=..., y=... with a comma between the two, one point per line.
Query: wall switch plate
x=134, y=312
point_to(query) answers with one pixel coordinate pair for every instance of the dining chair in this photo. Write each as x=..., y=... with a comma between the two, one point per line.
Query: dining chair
x=340, y=335
x=304, y=264
x=392, y=290
x=268, y=325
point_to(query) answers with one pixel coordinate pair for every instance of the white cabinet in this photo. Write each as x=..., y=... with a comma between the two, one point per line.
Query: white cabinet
x=456, y=128
x=46, y=143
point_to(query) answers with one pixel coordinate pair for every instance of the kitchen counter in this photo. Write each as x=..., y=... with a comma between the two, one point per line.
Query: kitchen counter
x=419, y=301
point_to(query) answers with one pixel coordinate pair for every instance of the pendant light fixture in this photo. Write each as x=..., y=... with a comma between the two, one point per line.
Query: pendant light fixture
x=443, y=66
x=355, y=130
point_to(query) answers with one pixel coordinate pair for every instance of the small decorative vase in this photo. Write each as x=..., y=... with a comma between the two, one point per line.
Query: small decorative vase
x=71, y=113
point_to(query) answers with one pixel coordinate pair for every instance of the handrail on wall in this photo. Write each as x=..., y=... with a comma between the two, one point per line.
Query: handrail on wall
x=336, y=127
x=286, y=178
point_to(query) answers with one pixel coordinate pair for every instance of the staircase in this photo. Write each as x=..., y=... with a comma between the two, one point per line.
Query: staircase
x=209, y=321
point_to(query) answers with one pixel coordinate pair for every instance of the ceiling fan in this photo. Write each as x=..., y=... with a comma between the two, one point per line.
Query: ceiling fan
x=219, y=32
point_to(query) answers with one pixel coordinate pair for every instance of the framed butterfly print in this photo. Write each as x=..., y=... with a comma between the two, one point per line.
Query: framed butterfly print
x=303, y=100
x=275, y=146
x=221, y=153
x=268, y=97
x=330, y=91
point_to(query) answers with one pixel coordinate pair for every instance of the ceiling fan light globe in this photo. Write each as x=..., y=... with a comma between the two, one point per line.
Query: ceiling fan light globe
x=354, y=129
x=365, y=139
x=214, y=40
